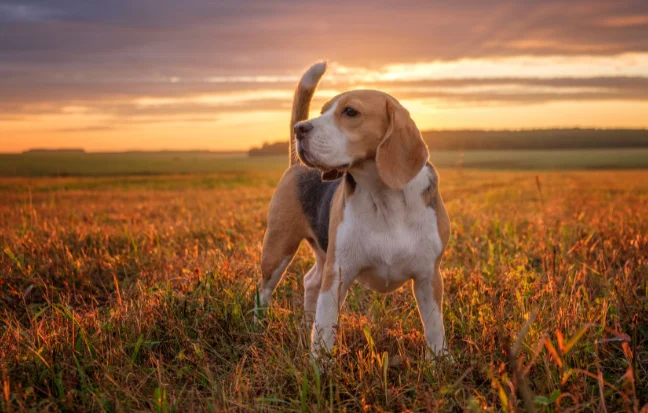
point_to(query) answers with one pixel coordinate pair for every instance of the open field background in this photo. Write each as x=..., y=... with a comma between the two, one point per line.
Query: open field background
x=137, y=163
x=136, y=293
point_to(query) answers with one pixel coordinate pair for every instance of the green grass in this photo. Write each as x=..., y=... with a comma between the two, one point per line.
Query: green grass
x=131, y=294
x=124, y=164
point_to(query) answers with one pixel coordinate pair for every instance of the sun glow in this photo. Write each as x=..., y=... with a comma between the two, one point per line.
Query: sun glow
x=543, y=67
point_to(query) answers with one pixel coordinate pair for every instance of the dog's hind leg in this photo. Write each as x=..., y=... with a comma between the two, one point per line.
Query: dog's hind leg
x=278, y=251
x=287, y=226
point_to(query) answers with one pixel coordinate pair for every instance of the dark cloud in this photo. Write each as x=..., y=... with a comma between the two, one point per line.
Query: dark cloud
x=55, y=95
x=147, y=37
x=85, y=129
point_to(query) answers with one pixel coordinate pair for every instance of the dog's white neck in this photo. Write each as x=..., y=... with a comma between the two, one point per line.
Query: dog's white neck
x=374, y=197
x=367, y=177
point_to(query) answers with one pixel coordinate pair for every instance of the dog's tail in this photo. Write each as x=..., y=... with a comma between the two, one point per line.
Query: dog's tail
x=301, y=103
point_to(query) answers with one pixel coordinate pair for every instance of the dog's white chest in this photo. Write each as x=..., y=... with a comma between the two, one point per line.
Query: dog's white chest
x=387, y=241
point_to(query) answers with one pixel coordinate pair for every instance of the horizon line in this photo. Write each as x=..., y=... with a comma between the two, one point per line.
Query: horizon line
x=262, y=144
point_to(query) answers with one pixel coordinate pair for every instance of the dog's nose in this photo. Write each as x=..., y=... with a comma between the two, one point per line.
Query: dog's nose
x=302, y=128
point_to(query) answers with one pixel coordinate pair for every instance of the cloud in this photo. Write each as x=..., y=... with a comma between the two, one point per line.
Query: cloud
x=207, y=58
x=180, y=103
x=164, y=37
x=630, y=64
x=625, y=21
x=25, y=13
x=26, y=92
x=85, y=129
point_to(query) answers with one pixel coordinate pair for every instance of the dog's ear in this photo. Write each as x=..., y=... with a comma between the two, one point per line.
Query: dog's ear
x=332, y=175
x=402, y=152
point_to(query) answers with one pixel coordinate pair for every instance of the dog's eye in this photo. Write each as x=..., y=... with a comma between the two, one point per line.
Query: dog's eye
x=350, y=112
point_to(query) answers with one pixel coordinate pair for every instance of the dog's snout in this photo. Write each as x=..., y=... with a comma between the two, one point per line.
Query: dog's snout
x=302, y=128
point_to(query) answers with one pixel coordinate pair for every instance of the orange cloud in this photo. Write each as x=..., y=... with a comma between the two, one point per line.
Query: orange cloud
x=625, y=21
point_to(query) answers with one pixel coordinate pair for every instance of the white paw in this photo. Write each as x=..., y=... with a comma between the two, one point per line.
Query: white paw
x=321, y=357
x=259, y=312
x=439, y=356
x=257, y=315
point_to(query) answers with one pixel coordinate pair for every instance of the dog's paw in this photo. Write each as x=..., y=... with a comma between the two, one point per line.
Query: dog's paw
x=317, y=352
x=322, y=358
x=443, y=356
x=261, y=302
x=259, y=314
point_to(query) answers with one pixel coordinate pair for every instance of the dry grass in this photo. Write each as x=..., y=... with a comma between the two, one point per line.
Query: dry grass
x=136, y=294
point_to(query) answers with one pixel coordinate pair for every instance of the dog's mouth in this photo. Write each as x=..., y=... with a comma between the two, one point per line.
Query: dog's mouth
x=305, y=157
x=338, y=169
x=310, y=161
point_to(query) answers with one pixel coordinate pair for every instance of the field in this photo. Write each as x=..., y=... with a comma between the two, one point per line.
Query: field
x=155, y=163
x=123, y=293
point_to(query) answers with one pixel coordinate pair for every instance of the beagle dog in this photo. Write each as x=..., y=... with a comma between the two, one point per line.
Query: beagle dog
x=367, y=203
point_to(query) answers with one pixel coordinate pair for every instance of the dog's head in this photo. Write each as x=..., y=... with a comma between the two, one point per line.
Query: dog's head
x=363, y=125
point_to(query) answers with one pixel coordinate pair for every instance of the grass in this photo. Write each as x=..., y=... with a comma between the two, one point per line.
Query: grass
x=120, y=294
x=143, y=164
x=133, y=163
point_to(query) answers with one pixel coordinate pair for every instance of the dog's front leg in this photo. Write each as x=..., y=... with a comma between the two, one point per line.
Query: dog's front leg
x=331, y=297
x=428, y=290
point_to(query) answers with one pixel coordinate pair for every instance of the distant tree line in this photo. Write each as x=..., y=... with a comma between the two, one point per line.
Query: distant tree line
x=275, y=148
x=63, y=151
x=512, y=140
x=536, y=139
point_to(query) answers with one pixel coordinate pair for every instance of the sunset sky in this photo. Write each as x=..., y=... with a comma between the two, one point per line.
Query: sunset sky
x=197, y=74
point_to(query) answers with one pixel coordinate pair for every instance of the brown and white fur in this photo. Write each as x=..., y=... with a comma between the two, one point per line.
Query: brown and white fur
x=368, y=205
